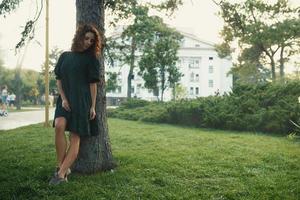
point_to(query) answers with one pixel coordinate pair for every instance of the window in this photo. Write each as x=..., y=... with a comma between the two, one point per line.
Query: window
x=210, y=83
x=197, y=63
x=197, y=78
x=192, y=77
x=138, y=88
x=182, y=42
x=194, y=63
x=210, y=69
x=132, y=89
x=197, y=45
x=119, y=89
x=197, y=91
x=211, y=58
x=119, y=77
x=191, y=91
x=191, y=63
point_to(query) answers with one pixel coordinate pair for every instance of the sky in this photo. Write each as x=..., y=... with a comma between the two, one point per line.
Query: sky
x=198, y=17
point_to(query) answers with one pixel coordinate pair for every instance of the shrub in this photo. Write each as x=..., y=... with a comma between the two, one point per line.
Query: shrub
x=266, y=107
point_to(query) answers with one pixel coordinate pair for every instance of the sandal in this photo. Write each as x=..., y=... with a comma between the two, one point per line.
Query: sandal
x=56, y=180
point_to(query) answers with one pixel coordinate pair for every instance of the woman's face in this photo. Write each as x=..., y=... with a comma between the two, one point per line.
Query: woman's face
x=88, y=40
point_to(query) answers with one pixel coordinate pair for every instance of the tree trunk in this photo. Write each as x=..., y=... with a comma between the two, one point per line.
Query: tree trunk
x=130, y=74
x=273, y=68
x=281, y=62
x=95, y=152
x=18, y=91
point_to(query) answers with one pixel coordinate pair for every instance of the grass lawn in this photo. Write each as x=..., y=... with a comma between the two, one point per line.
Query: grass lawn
x=157, y=161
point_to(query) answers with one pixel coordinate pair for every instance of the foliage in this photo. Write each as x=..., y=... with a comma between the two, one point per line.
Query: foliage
x=133, y=103
x=7, y=6
x=158, y=62
x=265, y=107
x=28, y=83
x=250, y=73
x=180, y=92
x=111, y=83
x=53, y=58
x=156, y=161
x=267, y=30
x=121, y=9
x=132, y=42
x=135, y=38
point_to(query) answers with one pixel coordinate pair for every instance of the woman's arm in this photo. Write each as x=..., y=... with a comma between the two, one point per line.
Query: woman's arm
x=65, y=103
x=93, y=90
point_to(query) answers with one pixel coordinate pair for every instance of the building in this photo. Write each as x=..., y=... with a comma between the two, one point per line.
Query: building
x=204, y=73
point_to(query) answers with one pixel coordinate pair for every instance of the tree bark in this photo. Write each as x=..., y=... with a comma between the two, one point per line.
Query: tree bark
x=272, y=63
x=130, y=74
x=273, y=69
x=281, y=63
x=95, y=152
x=18, y=91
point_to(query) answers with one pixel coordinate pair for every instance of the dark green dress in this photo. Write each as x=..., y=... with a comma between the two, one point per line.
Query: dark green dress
x=77, y=70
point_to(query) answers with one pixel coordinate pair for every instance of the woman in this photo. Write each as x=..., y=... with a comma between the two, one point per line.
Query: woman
x=77, y=74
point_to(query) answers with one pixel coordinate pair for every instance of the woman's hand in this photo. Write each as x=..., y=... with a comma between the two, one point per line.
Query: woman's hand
x=65, y=105
x=92, y=113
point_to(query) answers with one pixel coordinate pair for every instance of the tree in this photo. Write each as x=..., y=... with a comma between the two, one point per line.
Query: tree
x=111, y=83
x=250, y=70
x=134, y=37
x=158, y=62
x=53, y=58
x=180, y=92
x=133, y=40
x=273, y=29
x=95, y=152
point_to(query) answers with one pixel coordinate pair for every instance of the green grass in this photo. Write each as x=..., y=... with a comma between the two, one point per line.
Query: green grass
x=157, y=161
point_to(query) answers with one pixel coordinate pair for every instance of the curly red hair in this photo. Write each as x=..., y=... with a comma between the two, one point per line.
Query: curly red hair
x=77, y=45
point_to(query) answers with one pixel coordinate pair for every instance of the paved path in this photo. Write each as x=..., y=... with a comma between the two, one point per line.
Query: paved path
x=19, y=119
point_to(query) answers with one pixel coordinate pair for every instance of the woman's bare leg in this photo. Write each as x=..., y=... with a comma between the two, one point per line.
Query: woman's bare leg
x=60, y=140
x=71, y=155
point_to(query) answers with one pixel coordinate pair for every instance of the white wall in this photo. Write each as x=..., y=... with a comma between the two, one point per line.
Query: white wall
x=192, y=50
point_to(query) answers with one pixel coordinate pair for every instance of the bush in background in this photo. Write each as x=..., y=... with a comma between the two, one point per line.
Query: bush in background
x=266, y=107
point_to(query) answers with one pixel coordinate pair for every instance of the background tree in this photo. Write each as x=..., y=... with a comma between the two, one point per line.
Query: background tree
x=158, y=62
x=273, y=29
x=180, y=92
x=249, y=69
x=111, y=83
x=133, y=40
x=134, y=36
x=53, y=58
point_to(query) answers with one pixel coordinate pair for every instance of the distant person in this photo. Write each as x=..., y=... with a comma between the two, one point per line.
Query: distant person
x=77, y=74
x=4, y=94
x=12, y=99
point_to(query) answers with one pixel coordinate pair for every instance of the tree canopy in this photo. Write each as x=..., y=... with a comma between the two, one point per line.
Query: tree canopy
x=270, y=32
x=158, y=62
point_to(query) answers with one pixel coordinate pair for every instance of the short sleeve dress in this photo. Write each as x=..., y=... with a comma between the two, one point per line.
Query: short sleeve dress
x=77, y=70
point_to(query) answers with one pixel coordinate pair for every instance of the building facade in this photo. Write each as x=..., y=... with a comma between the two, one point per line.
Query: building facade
x=204, y=74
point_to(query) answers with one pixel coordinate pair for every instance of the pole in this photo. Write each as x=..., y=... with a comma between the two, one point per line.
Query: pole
x=47, y=67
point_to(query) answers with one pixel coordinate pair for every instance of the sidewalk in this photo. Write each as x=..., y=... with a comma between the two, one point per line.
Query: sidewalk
x=19, y=119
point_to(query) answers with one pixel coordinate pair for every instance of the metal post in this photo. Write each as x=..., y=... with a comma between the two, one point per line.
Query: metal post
x=47, y=67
